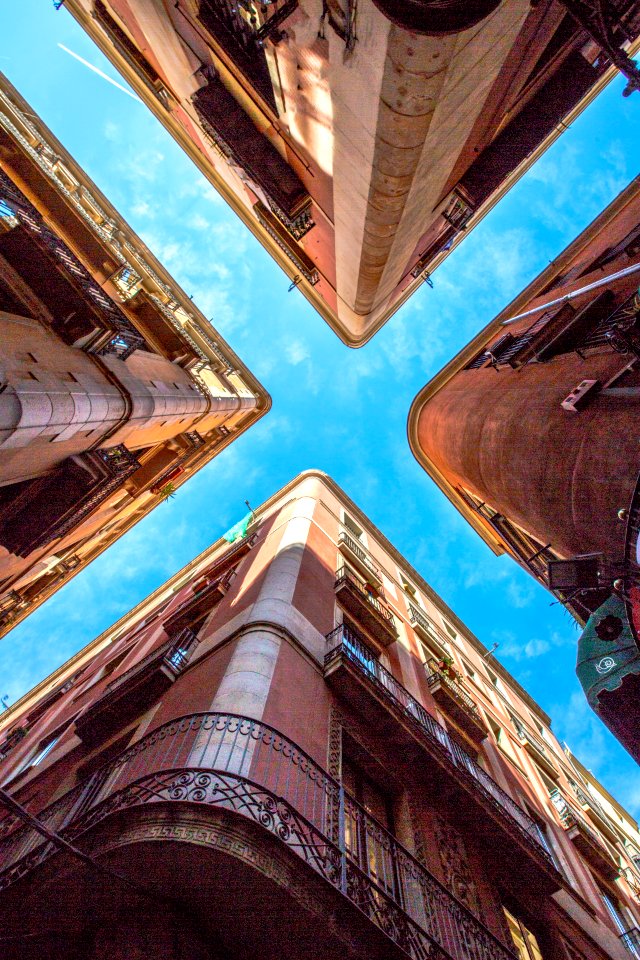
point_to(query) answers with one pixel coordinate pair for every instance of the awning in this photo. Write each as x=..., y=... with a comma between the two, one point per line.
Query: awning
x=607, y=650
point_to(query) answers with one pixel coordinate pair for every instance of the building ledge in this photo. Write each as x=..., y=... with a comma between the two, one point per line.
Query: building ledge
x=360, y=601
x=414, y=737
x=131, y=692
x=250, y=770
x=453, y=699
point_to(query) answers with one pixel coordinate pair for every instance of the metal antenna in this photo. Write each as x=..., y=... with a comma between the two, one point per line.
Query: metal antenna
x=490, y=652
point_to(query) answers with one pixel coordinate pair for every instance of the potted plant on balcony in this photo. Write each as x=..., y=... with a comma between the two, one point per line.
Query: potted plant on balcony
x=446, y=665
x=167, y=492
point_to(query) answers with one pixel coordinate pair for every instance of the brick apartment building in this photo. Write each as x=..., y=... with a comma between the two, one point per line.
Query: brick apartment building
x=294, y=749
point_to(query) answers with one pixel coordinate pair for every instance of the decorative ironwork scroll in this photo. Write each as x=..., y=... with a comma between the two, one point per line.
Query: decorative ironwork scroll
x=248, y=769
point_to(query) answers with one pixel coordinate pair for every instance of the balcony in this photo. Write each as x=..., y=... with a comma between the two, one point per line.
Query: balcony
x=418, y=742
x=361, y=603
x=358, y=556
x=232, y=130
x=630, y=940
x=242, y=29
x=137, y=688
x=36, y=512
x=537, y=751
x=11, y=606
x=208, y=592
x=12, y=740
x=240, y=768
x=633, y=880
x=632, y=562
x=584, y=838
x=453, y=699
x=58, y=278
x=596, y=813
x=423, y=627
x=459, y=210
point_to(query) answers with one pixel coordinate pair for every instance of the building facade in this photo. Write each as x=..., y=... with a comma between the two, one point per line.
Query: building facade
x=532, y=432
x=293, y=748
x=360, y=139
x=114, y=388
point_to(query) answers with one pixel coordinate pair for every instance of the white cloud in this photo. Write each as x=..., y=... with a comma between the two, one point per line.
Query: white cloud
x=296, y=351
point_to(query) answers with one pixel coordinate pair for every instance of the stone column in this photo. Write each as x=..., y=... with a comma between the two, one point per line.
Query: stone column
x=245, y=686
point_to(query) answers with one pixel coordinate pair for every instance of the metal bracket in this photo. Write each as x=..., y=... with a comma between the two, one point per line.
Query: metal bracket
x=604, y=24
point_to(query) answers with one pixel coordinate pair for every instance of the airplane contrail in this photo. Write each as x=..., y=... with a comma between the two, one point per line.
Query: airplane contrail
x=99, y=72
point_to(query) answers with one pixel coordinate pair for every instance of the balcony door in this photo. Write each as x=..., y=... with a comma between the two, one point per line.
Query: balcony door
x=367, y=845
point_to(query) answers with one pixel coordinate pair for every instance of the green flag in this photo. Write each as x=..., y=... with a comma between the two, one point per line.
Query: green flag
x=238, y=530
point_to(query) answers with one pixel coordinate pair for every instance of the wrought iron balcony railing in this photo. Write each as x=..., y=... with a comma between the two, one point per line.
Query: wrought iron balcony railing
x=436, y=673
x=10, y=607
x=251, y=770
x=134, y=690
x=620, y=330
x=207, y=593
x=344, y=642
x=459, y=210
x=12, y=741
x=65, y=497
x=344, y=574
x=360, y=600
x=536, y=749
x=589, y=843
x=173, y=655
x=631, y=940
x=359, y=555
x=599, y=814
x=425, y=629
x=633, y=880
x=125, y=337
x=631, y=576
x=242, y=28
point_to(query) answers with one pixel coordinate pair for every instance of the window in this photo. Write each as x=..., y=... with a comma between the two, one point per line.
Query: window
x=613, y=909
x=502, y=739
x=103, y=672
x=429, y=652
x=538, y=727
x=368, y=850
x=542, y=833
x=470, y=672
x=352, y=527
x=497, y=731
x=44, y=748
x=549, y=784
x=621, y=924
x=524, y=941
x=42, y=753
x=409, y=588
x=452, y=633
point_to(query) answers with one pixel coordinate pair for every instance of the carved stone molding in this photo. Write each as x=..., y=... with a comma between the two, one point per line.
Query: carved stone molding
x=232, y=837
x=455, y=863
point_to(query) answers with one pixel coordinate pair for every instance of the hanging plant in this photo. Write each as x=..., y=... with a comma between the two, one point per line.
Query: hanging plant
x=167, y=492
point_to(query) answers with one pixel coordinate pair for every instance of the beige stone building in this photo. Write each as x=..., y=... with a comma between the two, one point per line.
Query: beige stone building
x=360, y=140
x=114, y=388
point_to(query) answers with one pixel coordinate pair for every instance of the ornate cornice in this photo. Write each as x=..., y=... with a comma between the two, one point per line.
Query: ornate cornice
x=113, y=232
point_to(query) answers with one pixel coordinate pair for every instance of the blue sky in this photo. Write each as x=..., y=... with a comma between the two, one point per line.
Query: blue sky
x=336, y=409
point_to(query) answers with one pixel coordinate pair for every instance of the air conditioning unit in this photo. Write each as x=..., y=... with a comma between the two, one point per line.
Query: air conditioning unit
x=579, y=573
x=581, y=395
